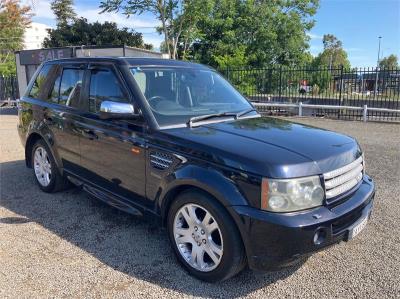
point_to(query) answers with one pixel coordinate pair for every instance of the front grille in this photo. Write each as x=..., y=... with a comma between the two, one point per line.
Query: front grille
x=343, y=179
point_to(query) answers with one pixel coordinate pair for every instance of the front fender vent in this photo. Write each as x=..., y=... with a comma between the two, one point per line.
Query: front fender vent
x=161, y=161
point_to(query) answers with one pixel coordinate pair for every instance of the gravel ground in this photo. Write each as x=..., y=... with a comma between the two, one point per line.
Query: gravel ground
x=70, y=245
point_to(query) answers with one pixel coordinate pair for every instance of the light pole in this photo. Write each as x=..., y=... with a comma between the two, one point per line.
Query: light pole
x=377, y=67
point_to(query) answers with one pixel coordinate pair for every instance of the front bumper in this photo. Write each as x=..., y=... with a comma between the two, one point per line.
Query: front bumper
x=275, y=240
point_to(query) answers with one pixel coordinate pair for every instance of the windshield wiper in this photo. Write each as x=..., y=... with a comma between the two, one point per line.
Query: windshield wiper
x=241, y=113
x=235, y=115
x=195, y=119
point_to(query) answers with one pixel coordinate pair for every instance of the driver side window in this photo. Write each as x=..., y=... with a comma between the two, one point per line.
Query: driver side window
x=104, y=86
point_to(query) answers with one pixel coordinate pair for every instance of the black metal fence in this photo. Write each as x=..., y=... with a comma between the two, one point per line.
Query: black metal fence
x=8, y=88
x=378, y=88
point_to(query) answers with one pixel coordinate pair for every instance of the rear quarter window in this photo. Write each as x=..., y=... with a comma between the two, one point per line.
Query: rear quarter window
x=38, y=86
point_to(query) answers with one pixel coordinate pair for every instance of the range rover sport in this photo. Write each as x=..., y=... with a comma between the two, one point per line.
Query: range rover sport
x=175, y=140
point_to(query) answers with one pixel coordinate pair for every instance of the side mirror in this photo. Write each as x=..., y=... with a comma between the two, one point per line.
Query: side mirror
x=116, y=110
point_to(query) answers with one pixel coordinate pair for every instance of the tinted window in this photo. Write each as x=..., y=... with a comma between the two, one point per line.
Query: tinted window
x=55, y=90
x=39, y=84
x=104, y=85
x=70, y=87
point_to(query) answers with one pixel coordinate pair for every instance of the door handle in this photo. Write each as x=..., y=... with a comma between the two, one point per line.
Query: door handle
x=87, y=133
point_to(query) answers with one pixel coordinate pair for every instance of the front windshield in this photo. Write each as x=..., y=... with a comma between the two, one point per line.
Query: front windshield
x=177, y=94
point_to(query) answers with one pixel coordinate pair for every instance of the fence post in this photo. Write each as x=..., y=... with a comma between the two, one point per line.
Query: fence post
x=300, y=108
x=340, y=90
x=280, y=82
x=365, y=113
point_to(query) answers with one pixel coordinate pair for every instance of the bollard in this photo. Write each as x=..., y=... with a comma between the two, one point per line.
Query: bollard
x=300, y=109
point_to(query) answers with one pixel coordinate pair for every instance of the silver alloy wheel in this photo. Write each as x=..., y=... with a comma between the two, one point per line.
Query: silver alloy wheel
x=198, y=237
x=42, y=166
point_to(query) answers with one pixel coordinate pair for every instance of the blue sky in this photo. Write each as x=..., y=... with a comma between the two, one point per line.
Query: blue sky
x=357, y=23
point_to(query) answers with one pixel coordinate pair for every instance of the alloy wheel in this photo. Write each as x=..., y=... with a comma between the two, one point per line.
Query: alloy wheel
x=198, y=237
x=42, y=166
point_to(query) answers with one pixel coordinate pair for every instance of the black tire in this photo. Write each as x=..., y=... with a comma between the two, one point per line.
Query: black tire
x=233, y=258
x=57, y=181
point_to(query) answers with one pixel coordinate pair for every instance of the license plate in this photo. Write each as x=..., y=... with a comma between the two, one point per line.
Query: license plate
x=358, y=228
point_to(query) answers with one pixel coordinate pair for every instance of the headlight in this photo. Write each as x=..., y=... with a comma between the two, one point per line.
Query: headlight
x=289, y=195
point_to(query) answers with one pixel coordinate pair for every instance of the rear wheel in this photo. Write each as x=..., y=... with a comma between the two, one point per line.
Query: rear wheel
x=204, y=237
x=45, y=169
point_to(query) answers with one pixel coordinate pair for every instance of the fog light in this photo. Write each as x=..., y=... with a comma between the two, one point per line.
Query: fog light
x=320, y=236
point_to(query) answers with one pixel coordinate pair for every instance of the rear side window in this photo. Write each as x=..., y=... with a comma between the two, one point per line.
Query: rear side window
x=70, y=87
x=39, y=84
x=54, y=93
x=104, y=86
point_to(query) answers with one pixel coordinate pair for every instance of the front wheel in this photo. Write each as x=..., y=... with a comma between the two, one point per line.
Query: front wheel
x=204, y=237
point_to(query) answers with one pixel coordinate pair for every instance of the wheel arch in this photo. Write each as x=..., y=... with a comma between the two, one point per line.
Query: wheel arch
x=210, y=182
x=30, y=141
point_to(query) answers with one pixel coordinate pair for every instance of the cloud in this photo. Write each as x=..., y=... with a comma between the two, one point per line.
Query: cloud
x=145, y=24
x=314, y=36
x=133, y=22
x=41, y=8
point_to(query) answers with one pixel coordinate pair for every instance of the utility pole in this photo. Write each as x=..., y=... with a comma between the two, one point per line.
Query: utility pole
x=377, y=67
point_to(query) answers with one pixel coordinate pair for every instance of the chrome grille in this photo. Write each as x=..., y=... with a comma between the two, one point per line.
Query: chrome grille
x=160, y=160
x=343, y=179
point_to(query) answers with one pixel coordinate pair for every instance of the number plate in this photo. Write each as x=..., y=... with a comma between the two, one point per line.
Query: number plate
x=358, y=228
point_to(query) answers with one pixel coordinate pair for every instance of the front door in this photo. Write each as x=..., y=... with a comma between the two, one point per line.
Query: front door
x=112, y=151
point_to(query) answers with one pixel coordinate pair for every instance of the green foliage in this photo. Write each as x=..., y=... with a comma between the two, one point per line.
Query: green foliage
x=14, y=18
x=389, y=62
x=269, y=32
x=178, y=19
x=81, y=32
x=333, y=55
x=236, y=60
x=7, y=68
x=64, y=11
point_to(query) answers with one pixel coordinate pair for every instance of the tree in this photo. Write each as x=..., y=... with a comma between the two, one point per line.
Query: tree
x=389, y=62
x=14, y=19
x=83, y=33
x=333, y=55
x=178, y=17
x=64, y=11
x=269, y=32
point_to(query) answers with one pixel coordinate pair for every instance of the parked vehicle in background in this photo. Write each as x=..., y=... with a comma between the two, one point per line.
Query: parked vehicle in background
x=175, y=140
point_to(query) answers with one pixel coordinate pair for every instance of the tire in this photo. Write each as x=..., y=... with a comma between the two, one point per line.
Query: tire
x=223, y=243
x=53, y=182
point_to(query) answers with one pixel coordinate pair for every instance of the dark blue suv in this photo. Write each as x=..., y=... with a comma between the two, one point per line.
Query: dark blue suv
x=175, y=140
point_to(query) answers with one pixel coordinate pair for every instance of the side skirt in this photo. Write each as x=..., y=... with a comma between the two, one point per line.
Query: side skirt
x=110, y=198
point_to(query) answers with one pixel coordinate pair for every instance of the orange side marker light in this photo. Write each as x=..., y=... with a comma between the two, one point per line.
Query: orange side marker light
x=135, y=150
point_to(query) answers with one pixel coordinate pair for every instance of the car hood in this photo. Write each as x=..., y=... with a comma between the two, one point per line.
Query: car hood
x=267, y=146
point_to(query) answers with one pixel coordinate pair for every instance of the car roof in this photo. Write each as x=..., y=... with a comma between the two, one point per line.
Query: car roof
x=131, y=61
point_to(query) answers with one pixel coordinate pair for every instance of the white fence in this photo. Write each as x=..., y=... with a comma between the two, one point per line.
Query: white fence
x=300, y=107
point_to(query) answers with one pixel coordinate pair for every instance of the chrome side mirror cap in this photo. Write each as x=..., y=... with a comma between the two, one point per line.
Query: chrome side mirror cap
x=116, y=110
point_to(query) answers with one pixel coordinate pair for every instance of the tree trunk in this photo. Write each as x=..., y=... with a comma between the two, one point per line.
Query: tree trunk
x=161, y=9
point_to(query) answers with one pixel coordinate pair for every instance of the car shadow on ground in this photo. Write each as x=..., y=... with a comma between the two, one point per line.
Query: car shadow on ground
x=135, y=246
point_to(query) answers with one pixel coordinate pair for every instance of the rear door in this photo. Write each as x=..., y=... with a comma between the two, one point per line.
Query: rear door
x=64, y=97
x=112, y=151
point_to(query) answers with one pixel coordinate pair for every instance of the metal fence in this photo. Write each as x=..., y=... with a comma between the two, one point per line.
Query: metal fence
x=8, y=89
x=376, y=88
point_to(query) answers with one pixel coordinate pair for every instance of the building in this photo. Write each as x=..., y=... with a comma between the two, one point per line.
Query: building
x=35, y=35
x=28, y=61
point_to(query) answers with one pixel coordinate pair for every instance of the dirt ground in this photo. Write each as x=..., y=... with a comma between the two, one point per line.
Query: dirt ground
x=70, y=245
